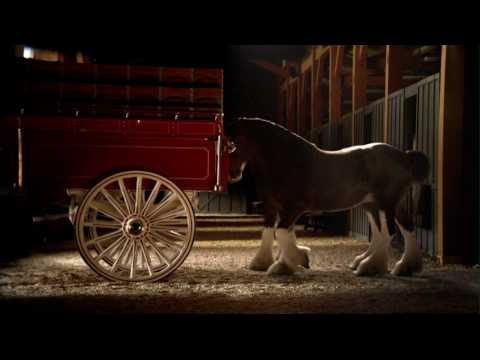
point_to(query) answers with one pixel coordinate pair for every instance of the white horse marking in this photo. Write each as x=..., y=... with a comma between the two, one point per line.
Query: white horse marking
x=292, y=257
x=264, y=257
x=375, y=259
x=411, y=260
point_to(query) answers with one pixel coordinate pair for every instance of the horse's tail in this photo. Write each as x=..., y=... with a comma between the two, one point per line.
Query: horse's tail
x=420, y=165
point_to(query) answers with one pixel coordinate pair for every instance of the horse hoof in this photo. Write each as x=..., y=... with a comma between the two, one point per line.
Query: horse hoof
x=280, y=268
x=371, y=266
x=358, y=259
x=260, y=264
x=408, y=268
x=354, y=264
x=305, y=260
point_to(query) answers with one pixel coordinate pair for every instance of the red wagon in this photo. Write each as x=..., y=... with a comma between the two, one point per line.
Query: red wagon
x=125, y=143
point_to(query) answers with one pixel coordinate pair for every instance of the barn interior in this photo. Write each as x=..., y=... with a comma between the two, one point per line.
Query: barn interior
x=421, y=97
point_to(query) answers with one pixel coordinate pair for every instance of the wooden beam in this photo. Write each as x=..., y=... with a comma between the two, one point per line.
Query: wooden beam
x=312, y=92
x=317, y=52
x=359, y=78
x=301, y=105
x=318, y=92
x=336, y=57
x=307, y=63
x=424, y=50
x=449, y=229
x=339, y=59
x=378, y=81
x=393, y=78
x=321, y=51
x=273, y=68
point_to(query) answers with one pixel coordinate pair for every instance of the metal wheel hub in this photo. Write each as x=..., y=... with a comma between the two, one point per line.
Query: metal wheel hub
x=135, y=227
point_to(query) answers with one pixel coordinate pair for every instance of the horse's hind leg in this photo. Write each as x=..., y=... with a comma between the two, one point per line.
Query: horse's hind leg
x=264, y=257
x=375, y=259
x=291, y=257
x=411, y=260
x=372, y=215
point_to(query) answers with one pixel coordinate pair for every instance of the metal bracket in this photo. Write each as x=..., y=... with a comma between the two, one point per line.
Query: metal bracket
x=219, y=162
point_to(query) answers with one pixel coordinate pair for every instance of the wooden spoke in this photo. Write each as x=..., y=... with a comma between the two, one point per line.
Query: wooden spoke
x=164, y=204
x=102, y=208
x=109, y=248
x=103, y=224
x=126, y=196
x=122, y=253
x=138, y=195
x=147, y=258
x=114, y=202
x=161, y=237
x=134, y=261
x=168, y=216
x=158, y=251
x=180, y=230
x=151, y=198
x=105, y=237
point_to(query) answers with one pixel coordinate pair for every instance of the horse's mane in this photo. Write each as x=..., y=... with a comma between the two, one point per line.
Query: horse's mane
x=254, y=124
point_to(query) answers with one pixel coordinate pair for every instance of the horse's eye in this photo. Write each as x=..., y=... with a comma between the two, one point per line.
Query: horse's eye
x=231, y=147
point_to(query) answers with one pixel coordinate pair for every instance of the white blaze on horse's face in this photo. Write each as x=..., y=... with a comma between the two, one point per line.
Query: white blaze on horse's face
x=231, y=147
x=237, y=162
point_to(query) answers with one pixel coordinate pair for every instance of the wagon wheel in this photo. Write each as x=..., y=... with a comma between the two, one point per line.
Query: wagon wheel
x=135, y=226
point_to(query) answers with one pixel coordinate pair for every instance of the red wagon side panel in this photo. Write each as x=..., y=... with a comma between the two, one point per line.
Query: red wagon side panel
x=69, y=152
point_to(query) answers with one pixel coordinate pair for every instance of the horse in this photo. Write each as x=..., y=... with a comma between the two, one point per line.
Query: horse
x=293, y=177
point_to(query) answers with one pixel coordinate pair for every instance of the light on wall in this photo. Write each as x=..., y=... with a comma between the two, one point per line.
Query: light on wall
x=27, y=52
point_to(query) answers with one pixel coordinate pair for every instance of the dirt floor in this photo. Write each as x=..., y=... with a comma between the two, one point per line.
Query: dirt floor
x=214, y=280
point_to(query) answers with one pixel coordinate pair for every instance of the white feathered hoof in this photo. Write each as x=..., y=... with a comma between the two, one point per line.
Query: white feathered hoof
x=261, y=262
x=408, y=267
x=372, y=265
x=280, y=268
x=305, y=256
x=279, y=254
x=354, y=264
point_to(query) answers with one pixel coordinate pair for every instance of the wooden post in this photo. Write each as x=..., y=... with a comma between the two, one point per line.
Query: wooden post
x=312, y=93
x=293, y=96
x=359, y=81
x=359, y=77
x=449, y=227
x=281, y=104
x=299, y=103
x=393, y=78
x=359, y=91
x=336, y=59
x=318, y=103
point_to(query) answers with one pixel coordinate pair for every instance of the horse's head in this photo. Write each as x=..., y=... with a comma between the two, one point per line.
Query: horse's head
x=239, y=148
x=239, y=157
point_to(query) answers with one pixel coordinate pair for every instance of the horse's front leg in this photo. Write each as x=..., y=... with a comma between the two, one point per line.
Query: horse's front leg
x=291, y=257
x=264, y=257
